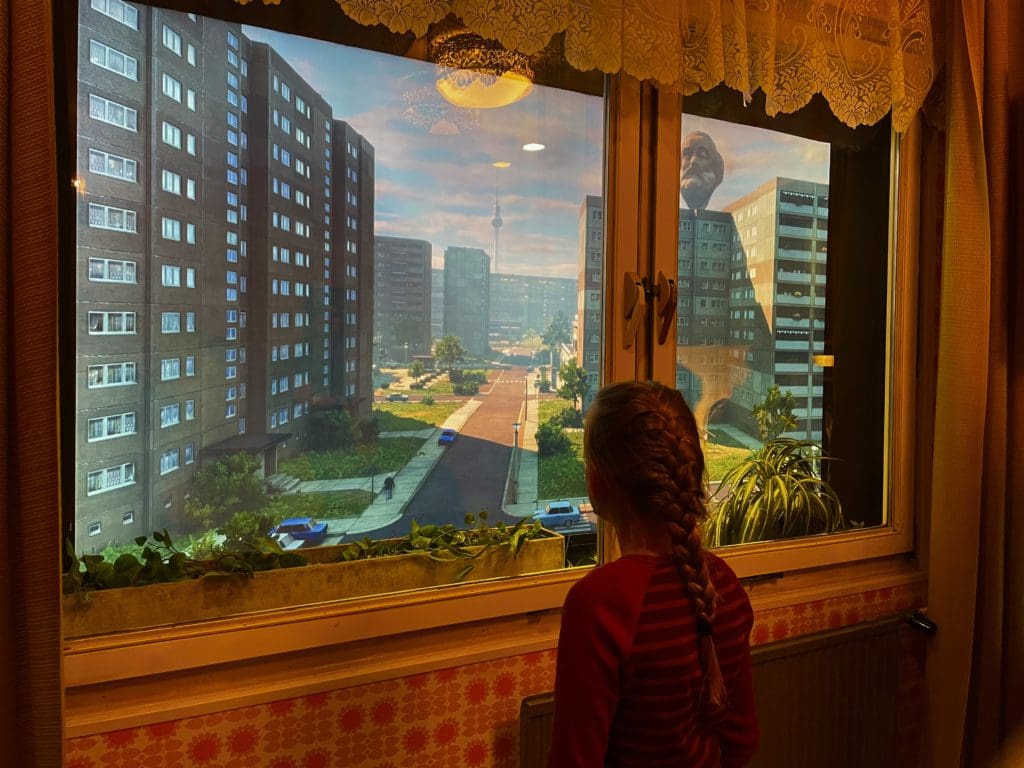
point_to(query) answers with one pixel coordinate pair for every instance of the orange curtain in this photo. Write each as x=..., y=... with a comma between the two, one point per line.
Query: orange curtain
x=975, y=672
x=30, y=648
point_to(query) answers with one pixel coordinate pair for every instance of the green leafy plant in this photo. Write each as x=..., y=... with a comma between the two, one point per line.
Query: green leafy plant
x=574, y=382
x=446, y=543
x=774, y=493
x=774, y=414
x=160, y=561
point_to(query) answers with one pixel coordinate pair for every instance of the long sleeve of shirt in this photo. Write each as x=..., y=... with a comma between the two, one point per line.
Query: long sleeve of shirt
x=628, y=681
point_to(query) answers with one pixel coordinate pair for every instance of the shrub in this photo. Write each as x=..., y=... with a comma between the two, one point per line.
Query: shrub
x=428, y=400
x=385, y=385
x=570, y=418
x=330, y=430
x=551, y=439
x=369, y=429
x=466, y=389
x=545, y=385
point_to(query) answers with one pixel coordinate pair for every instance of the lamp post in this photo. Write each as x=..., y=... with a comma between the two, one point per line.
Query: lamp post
x=515, y=463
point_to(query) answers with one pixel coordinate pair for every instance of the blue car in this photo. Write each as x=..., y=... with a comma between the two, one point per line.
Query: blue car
x=447, y=437
x=305, y=529
x=558, y=513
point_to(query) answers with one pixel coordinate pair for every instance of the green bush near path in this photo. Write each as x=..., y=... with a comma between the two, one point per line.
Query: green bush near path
x=383, y=456
x=402, y=417
x=561, y=475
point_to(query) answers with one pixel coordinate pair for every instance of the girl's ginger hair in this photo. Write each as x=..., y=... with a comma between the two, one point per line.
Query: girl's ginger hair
x=642, y=440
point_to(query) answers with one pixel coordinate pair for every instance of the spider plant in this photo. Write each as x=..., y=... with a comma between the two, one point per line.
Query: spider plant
x=775, y=493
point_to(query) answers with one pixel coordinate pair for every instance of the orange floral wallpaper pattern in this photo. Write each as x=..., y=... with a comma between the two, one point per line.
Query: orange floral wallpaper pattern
x=459, y=717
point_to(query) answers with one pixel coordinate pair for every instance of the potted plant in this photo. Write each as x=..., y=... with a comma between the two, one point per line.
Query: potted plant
x=774, y=493
x=102, y=597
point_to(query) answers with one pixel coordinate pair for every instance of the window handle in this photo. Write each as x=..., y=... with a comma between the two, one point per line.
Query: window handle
x=634, y=302
x=665, y=297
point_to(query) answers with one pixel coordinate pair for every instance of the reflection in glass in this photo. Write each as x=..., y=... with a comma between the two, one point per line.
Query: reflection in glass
x=752, y=265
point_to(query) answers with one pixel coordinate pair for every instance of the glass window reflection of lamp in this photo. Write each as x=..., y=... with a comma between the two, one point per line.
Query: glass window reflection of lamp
x=477, y=73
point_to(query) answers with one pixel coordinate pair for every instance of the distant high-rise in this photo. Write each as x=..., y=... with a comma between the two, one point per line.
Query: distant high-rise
x=402, y=293
x=467, y=297
x=436, y=303
x=521, y=303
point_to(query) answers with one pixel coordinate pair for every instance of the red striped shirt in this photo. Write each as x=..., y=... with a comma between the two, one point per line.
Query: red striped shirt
x=628, y=680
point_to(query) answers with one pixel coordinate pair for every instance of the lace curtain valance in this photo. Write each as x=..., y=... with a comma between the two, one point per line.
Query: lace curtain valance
x=866, y=57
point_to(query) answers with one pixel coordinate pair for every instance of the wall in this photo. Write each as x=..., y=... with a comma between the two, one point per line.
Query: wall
x=462, y=716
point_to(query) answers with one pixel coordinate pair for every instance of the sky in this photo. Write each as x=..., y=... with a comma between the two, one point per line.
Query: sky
x=441, y=188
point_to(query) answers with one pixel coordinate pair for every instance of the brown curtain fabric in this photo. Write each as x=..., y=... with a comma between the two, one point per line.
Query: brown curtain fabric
x=975, y=672
x=30, y=648
x=996, y=704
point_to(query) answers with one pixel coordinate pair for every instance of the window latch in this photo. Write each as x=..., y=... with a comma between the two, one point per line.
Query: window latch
x=634, y=302
x=665, y=303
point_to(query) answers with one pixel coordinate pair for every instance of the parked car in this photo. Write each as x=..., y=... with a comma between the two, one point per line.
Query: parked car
x=558, y=513
x=287, y=542
x=398, y=397
x=305, y=529
x=447, y=437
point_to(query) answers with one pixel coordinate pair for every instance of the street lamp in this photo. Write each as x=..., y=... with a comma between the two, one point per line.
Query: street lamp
x=515, y=464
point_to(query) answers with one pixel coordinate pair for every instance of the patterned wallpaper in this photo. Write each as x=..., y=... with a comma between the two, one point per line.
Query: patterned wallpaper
x=462, y=716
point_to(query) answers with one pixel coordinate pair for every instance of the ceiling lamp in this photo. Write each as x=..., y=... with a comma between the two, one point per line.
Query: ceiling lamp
x=425, y=109
x=477, y=73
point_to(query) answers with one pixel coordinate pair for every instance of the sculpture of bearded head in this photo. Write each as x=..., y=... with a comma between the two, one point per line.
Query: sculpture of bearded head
x=702, y=170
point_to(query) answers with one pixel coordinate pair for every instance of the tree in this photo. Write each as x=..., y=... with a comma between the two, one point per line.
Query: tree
x=417, y=369
x=330, y=430
x=226, y=486
x=551, y=439
x=574, y=382
x=448, y=351
x=558, y=332
x=774, y=415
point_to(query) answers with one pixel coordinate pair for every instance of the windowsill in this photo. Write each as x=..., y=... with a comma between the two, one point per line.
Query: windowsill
x=129, y=679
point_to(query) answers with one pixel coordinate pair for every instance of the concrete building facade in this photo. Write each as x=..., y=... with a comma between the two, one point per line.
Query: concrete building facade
x=467, y=297
x=204, y=298
x=402, y=285
x=521, y=303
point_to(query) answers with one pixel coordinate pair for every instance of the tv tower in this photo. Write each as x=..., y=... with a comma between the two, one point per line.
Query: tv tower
x=496, y=220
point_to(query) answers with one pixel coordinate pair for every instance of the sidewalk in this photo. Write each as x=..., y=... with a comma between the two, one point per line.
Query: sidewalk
x=408, y=480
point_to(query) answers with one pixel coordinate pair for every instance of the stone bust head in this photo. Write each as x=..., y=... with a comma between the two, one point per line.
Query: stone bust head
x=702, y=170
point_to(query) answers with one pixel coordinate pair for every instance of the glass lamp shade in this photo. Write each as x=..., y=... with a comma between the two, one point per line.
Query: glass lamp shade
x=476, y=90
x=476, y=73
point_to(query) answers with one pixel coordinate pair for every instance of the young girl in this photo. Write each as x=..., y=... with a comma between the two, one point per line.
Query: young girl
x=654, y=652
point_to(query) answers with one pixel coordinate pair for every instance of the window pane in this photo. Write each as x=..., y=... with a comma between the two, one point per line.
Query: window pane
x=755, y=330
x=453, y=317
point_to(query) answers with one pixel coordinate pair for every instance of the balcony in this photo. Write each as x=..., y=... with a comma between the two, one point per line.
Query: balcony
x=789, y=300
x=803, y=278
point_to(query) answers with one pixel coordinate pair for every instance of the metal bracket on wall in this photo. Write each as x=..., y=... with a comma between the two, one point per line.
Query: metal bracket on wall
x=634, y=302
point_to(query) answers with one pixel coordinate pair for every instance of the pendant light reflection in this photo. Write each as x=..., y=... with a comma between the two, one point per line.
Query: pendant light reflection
x=477, y=73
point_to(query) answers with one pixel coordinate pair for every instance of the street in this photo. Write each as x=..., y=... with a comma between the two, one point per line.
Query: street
x=471, y=476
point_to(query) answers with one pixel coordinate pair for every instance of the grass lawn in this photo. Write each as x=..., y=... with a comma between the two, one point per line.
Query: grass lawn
x=386, y=455
x=561, y=476
x=336, y=504
x=398, y=417
x=551, y=408
x=719, y=459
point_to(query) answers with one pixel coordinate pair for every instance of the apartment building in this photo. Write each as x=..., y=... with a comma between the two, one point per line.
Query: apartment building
x=436, y=303
x=402, y=302
x=777, y=287
x=204, y=167
x=467, y=297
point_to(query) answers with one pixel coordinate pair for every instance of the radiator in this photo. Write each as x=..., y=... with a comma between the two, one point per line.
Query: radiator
x=825, y=700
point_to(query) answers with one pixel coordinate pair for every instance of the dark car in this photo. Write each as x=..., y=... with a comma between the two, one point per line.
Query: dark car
x=447, y=437
x=303, y=528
